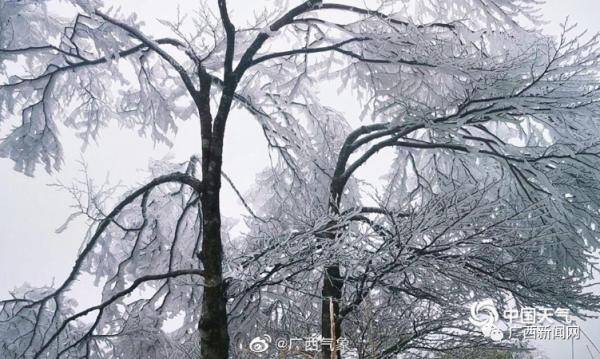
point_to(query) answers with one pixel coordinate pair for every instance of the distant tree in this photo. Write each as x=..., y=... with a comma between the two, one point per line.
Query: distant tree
x=497, y=160
x=482, y=353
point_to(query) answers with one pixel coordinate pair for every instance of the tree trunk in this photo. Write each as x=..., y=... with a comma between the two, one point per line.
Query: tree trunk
x=214, y=337
x=331, y=295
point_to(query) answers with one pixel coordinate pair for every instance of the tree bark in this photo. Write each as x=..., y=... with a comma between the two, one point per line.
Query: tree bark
x=331, y=293
x=214, y=336
x=213, y=325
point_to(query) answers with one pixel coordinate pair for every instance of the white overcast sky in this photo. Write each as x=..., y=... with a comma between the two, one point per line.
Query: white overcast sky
x=30, y=210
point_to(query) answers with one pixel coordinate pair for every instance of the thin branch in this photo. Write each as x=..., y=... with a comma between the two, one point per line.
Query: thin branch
x=154, y=46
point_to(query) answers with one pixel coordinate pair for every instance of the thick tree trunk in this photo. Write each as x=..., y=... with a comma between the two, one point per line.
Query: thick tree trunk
x=214, y=336
x=213, y=322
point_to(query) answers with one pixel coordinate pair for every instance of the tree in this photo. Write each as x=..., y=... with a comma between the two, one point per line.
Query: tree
x=454, y=88
x=458, y=160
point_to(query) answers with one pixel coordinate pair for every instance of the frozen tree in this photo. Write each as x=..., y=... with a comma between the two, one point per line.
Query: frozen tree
x=452, y=226
x=492, y=192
